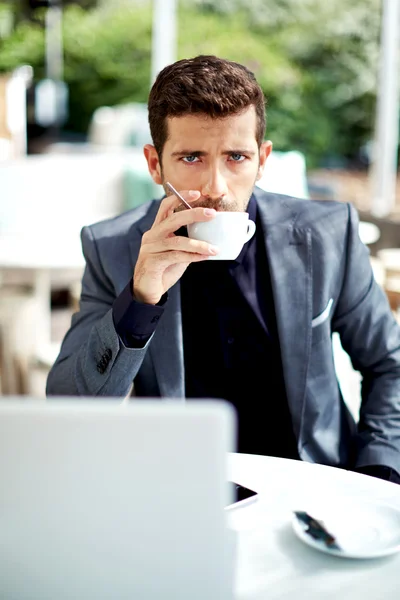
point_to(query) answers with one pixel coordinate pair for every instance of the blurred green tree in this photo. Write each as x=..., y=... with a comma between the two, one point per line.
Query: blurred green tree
x=328, y=111
x=317, y=62
x=107, y=55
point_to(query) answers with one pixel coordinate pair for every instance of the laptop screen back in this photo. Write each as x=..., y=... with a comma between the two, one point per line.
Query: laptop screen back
x=103, y=500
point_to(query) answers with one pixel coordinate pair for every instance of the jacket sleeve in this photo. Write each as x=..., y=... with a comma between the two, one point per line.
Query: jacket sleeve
x=371, y=336
x=92, y=360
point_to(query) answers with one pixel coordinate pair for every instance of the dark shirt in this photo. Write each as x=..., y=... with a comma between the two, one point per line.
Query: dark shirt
x=231, y=345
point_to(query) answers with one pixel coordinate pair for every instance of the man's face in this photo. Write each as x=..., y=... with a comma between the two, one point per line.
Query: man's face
x=220, y=158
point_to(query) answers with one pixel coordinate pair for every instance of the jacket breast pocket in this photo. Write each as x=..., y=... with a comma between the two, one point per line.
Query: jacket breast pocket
x=321, y=323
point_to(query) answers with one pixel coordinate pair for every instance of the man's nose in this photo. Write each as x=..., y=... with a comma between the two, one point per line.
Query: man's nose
x=214, y=185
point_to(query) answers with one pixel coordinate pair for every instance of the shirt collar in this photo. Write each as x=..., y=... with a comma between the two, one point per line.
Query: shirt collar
x=252, y=212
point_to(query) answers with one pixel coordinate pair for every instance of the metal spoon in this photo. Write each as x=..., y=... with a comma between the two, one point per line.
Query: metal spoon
x=177, y=194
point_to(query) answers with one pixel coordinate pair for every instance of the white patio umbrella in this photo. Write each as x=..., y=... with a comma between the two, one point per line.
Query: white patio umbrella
x=384, y=161
x=163, y=35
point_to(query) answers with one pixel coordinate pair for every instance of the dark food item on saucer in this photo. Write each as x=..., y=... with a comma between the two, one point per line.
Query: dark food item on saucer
x=317, y=530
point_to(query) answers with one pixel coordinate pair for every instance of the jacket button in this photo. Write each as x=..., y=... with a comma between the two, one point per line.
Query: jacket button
x=100, y=367
x=104, y=361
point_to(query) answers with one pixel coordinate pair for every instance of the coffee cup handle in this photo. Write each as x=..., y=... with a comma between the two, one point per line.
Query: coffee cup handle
x=251, y=229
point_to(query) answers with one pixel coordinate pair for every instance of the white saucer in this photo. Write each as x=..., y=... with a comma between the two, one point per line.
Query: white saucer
x=362, y=530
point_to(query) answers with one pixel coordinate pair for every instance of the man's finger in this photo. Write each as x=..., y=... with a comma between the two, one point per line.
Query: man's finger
x=169, y=203
x=181, y=244
x=185, y=217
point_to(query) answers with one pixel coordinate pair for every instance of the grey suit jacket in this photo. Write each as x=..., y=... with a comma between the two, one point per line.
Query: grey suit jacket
x=322, y=282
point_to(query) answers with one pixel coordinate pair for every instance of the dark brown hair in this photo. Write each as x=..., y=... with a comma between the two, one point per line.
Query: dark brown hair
x=207, y=85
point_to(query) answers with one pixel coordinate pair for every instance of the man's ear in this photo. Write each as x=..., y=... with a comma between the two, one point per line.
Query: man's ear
x=153, y=163
x=265, y=151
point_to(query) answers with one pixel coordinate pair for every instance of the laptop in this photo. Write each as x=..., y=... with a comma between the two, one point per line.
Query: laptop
x=106, y=500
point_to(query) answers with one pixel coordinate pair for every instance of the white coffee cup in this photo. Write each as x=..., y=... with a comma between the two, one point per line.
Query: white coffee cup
x=227, y=230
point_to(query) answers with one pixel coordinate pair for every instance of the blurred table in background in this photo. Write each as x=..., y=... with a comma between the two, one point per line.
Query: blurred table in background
x=40, y=256
x=44, y=203
x=25, y=306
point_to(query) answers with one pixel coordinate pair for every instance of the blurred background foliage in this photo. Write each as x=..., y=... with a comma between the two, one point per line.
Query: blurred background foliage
x=317, y=62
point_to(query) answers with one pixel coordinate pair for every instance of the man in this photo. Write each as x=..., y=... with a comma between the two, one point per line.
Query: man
x=255, y=331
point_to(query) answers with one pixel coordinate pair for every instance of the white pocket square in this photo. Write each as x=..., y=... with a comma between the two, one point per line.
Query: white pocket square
x=322, y=316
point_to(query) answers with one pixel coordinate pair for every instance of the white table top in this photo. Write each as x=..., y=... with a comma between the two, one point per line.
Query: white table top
x=23, y=251
x=272, y=563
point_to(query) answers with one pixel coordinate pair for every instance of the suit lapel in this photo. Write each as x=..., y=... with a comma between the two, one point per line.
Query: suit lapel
x=289, y=256
x=166, y=347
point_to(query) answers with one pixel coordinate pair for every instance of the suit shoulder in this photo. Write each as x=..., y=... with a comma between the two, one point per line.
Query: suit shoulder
x=305, y=212
x=314, y=212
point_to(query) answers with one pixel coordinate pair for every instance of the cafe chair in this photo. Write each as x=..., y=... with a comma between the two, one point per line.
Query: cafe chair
x=369, y=232
x=390, y=259
x=275, y=176
x=18, y=319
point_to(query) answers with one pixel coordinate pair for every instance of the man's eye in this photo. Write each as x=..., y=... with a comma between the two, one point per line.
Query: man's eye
x=237, y=157
x=190, y=159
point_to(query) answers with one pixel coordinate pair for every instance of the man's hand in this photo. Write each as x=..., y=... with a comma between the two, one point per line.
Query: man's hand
x=164, y=256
